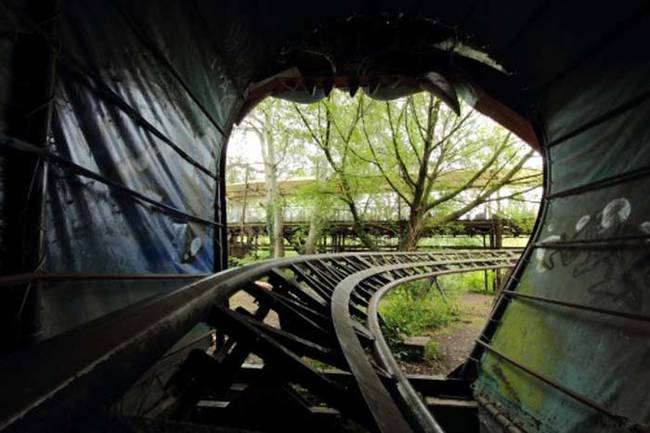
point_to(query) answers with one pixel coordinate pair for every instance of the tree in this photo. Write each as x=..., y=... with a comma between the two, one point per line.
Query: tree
x=332, y=125
x=266, y=121
x=439, y=164
x=319, y=202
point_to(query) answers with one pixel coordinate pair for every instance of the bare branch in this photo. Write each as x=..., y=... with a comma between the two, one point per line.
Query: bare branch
x=402, y=165
x=375, y=161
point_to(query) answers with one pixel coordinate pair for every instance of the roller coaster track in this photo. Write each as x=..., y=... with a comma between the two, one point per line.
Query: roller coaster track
x=311, y=310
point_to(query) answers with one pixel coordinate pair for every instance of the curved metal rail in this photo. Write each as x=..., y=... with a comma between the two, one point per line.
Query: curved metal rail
x=325, y=309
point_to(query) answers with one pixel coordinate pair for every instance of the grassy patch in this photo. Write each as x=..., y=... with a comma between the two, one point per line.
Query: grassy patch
x=419, y=309
x=468, y=282
x=416, y=308
x=432, y=351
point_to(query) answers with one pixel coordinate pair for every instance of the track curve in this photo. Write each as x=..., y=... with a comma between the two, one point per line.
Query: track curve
x=326, y=310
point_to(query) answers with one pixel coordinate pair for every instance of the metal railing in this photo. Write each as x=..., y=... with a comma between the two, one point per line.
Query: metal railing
x=326, y=308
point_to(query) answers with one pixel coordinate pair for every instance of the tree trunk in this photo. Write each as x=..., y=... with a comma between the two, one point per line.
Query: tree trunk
x=411, y=236
x=274, y=205
x=357, y=225
x=274, y=202
x=278, y=228
x=315, y=229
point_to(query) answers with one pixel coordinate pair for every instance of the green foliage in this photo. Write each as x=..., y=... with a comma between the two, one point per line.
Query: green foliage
x=363, y=154
x=519, y=216
x=432, y=351
x=414, y=309
x=468, y=281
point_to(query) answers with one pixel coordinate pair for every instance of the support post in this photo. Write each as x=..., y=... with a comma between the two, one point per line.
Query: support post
x=23, y=177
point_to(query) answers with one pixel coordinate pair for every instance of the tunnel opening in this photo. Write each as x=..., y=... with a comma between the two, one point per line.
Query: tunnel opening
x=565, y=347
x=286, y=175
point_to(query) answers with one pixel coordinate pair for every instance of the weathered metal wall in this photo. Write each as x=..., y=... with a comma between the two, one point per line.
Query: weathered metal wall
x=593, y=102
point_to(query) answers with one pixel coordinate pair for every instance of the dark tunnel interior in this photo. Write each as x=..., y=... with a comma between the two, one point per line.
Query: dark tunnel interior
x=114, y=123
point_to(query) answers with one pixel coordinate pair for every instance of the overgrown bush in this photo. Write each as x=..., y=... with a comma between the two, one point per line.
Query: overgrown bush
x=469, y=281
x=432, y=351
x=416, y=308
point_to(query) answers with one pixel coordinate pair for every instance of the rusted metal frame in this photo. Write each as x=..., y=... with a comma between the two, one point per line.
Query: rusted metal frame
x=619, y=109
x=573, y=305
x=273, y=298
x=336, y=267
x=378, y=280
x=275, y=404
x=217, y=371
x=198, y=374
x=396, y=259
x=423, y=384
x=357, y=265
x=330, y=283
x=363, y=294
x=388, y=259
x=309, y=276
x=412, y=403
x=312, y=327
x=321, y=274
x=136, y=336
x=294, y=367
x=358, y=309
x=366, y=290
x=78, y=170
x=398, y=273
x=184, y=347
x=366, y=261
x=158, y=372
x=306, y=303
x=368, y=287
x=323, y=290
x=299, y=345
x=622, y=420
x=363, y=334
x=70, y=64
x=230, y=347
x=360, y=297
x=24, y=181
x=369, y=260
x=278, y=279
x=386, y=414
x=10, y=280
x=607, y=182
x=616, y=241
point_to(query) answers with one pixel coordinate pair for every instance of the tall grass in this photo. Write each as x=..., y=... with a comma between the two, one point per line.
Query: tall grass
x=418, y=307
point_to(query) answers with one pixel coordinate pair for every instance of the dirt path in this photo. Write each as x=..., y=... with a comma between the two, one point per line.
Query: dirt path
x=456, y=341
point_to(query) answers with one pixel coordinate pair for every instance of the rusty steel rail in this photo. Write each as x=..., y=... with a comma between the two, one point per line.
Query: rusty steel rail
x=415, y=416
x=324, y=306
x=412, y=403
